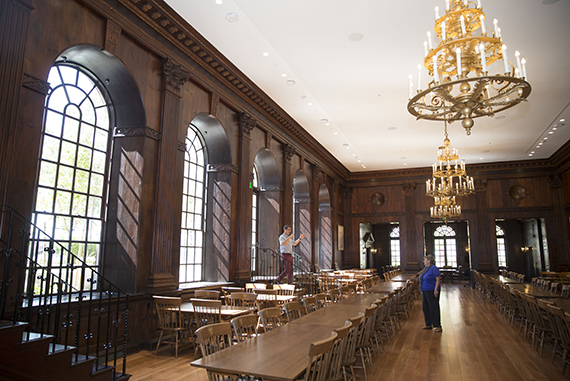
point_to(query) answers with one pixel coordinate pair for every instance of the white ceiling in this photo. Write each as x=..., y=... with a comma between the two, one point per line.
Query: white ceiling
x=361, y=87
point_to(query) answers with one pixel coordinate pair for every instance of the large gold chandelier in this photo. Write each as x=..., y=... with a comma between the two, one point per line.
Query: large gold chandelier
x=449, y=180
x=461, y=87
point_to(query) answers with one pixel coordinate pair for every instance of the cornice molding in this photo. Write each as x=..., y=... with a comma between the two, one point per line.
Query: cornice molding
x=171, y=26
x=126, y=132
x=527, y=209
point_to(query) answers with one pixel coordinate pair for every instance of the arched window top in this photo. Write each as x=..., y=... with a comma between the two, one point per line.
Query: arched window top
x=395, y=233
x=254, y=180
x=444, y=231
x=499, y=231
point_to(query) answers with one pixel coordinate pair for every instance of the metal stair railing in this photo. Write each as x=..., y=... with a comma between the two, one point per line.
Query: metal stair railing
x=60, y=295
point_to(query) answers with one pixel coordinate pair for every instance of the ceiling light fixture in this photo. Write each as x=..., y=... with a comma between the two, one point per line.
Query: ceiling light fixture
x=443, y=187
x=452, y=94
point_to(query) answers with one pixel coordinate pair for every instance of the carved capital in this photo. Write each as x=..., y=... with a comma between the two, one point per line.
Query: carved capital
x=480, y=185
x=409, y=189
x=317, y=170
x=288, y=152
x=181, y=146
x=555, y=182
x=246, y=124
x=112, y=36
x=35, y=84
x=214, y=103
x=174, y=76
x=348, y=192
x=335, y=184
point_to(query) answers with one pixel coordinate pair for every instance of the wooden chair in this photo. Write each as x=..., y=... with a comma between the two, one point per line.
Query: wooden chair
x=349, y=358
x=338, y=351
x=245, y=327
x=172, y=320
x=243, y=299
x=207, y=311
x=344, y=292
x=266, y=298
x=294, y=310
x=270, y=318
x=321, y=300
x=335, y=296
x=310, y=303
x=561, y=334
x=566, y=291
x=364, y=343
x=227, y=291
x=214, y=338
x=319, y=365
x=207, y=294
x=250, y=287
x=284, y=289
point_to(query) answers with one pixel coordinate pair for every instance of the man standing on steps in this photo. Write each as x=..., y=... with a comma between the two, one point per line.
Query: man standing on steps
x=286, y=244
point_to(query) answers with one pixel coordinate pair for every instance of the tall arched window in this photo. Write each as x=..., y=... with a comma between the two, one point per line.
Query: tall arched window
x=71, y=186
x=501, y=250
x=254, y=220
x=445, y=246
x=193, y=210
x=395, y=246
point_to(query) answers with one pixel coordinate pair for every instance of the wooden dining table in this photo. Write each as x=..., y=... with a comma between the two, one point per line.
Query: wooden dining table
x=402, y=277
x=503, y=279
x=282, y=354
x=385, y=287
x=561, y=303
x=533, y=290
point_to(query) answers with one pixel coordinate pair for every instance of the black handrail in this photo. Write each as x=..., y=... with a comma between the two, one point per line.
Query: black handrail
x=46, y=294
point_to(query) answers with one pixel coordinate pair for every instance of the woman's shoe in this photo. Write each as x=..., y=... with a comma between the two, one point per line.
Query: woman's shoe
x=438, y=329
x=426, y=327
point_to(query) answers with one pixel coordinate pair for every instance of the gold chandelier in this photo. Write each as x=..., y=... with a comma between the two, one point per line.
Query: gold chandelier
x=449, y=179
x=462, y=88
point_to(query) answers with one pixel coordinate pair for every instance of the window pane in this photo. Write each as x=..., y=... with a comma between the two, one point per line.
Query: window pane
x=65, y=178
x=79, y=205
x=44, y=200
x=71, y=126
x=50, y=149
x=47, y=174
x=62, y=202
x=68, y=151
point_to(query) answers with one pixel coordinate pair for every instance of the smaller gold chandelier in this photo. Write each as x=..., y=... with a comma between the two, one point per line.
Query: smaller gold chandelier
x=449, y=179
x=462, y=88
x=445, y=207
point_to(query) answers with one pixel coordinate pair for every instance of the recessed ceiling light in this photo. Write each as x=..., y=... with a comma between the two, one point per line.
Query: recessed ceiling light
x=354, y=154
x=530, y=154
x=554, y=128
x=540, y=143
x=355, y=37
x=550, y=132
x=545, y=138
x=309, y=104
x=219, y=2
x=265, y=54
x=284, y=75
x=360, y=161
x=480, y=158
x=346, y=146
x=290, y=82
x=405, y=163
x=537, y=146
x=232, y=17
x=563, y=120
x=531, y=151
x=335, y=133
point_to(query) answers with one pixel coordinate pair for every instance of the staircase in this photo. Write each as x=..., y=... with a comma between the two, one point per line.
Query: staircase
x=60, y=319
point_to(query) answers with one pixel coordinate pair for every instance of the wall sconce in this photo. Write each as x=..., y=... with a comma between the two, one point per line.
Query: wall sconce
x=526, y=248
x=373, y=250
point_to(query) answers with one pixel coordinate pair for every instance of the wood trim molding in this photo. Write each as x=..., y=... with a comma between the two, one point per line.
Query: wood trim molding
x=35, y=84
x=127, y=132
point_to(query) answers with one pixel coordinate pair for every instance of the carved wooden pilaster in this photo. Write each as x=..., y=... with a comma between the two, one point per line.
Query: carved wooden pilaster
x=480, y=185
x=14, y=18
x=317, y=170
x=348, y=193
x=301, y=162
x=268, y=138
x=163, y=249
x=287, y=215
x=409, y=189
x=112, y=35
x=560, y=251
x=411, y=248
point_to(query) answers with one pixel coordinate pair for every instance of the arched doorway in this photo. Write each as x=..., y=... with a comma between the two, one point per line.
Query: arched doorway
x=325, y=229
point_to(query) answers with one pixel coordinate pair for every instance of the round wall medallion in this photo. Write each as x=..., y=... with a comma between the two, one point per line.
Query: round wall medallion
x=377, y=199
x=517, y=192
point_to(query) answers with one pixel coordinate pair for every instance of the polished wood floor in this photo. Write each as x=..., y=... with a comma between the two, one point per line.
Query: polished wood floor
x=476, y=344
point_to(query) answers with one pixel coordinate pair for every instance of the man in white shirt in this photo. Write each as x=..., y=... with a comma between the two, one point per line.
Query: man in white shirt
x=286, y=243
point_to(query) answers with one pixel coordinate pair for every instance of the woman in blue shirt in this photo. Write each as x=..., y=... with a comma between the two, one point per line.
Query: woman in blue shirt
x=430, y=280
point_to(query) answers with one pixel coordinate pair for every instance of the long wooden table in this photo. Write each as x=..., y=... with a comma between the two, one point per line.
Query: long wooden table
x=503, y=279
x=282, y=354
x=561, y=303
x=533, y=290
x=402, y=277
x=385, y=287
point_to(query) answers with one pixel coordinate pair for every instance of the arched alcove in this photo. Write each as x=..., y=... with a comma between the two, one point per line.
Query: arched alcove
x=216, y=258
x=325, y=229
x=302, y=215
x=269, y=191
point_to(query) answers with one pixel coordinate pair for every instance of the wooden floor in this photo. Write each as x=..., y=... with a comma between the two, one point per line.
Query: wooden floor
x=476, y=344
